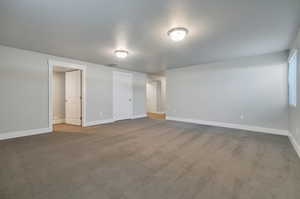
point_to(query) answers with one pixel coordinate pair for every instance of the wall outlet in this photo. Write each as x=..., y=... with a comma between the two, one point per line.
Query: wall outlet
x=242, y=116
x=101, y=114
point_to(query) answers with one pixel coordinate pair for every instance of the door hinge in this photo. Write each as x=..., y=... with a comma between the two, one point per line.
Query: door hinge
x=80, y=117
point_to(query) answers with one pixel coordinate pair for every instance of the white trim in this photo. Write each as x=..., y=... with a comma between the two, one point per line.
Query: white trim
x=233, y=126
x=293, y=52
x=51, y=64
x=139, y=116
x=50, y=96
x=295, y=144
x=107, y=121
x=115, y=74
x=58, y=121
x=15, y=134
x=66, y=64
x=292, y=99
x=98, y=122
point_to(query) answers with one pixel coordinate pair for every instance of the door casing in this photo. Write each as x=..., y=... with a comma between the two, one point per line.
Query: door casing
x=51, y=64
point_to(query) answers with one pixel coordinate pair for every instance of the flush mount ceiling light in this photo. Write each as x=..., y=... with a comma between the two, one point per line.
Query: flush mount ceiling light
x=121, y=54
x=177, y=34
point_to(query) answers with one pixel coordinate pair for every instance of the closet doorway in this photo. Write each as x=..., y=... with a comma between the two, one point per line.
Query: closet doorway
x=66, y=94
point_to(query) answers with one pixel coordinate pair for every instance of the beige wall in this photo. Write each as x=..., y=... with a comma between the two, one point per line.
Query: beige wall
x=248, y=91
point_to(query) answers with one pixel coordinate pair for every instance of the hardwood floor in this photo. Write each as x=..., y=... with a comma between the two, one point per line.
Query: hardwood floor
x=67, y=128
x=149, y=159
x=156, y=115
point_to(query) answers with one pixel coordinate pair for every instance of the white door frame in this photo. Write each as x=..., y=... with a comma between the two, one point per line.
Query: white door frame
x=114, y=93
x=51, y=64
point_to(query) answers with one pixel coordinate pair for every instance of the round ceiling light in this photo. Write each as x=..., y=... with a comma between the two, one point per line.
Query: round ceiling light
x=177, y=34
x=121, y=54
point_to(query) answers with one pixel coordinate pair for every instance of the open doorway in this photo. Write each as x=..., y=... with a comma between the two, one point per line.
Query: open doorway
x=66, y=96
x=156, y=96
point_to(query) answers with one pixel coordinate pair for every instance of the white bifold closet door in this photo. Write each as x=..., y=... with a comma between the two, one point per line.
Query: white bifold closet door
x=123, y=96
x=73, y=97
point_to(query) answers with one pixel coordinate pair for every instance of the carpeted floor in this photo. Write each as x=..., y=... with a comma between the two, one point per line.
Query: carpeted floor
x=149, y=159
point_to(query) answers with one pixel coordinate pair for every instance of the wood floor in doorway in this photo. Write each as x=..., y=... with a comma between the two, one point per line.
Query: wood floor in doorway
x=67, y=128
x=156, y=115
x=149, y=159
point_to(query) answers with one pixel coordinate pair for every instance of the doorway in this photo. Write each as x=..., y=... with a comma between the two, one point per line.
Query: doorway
x=122, y=95
x=153, y=96
x=66, y=95
x=156, y=97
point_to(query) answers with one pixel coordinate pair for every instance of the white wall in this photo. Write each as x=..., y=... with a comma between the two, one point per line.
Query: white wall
x=24, y=90
x=294, y=112
x=248, y=91
x=58, y=97
x=153, y=96
x=139, y=94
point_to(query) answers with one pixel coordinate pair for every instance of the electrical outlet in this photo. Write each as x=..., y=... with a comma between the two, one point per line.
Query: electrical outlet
x=242, y=116
x=101, y=114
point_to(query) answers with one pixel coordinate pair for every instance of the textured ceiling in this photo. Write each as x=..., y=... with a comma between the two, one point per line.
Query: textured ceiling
x=90, y=30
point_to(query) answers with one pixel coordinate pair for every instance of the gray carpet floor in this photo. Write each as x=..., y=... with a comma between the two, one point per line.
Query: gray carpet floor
x=149, y=159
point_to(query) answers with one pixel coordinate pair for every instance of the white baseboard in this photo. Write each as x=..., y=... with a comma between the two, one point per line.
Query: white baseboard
x=98, y=122
x=58, y=121
x=106, y=121
x=139, y=116
x=15, y=134
x=295, y=144
x=233, y=126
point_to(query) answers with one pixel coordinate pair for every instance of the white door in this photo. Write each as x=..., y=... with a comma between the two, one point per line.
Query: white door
x=152, y=96
x=123, y=99
x=73, y=97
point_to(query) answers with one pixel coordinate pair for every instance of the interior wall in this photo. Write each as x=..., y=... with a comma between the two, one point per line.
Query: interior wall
x=294, y=112
x=153, y=96
x=58, y=97
x=162, y=96
x=24, y=90
x=246, y=91
x=139, y=94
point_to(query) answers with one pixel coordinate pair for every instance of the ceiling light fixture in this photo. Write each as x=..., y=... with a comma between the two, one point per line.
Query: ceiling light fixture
x=177, y=34
x=121, y=54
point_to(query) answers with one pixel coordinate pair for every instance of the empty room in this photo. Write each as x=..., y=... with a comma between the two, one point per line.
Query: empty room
x=150, y=99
